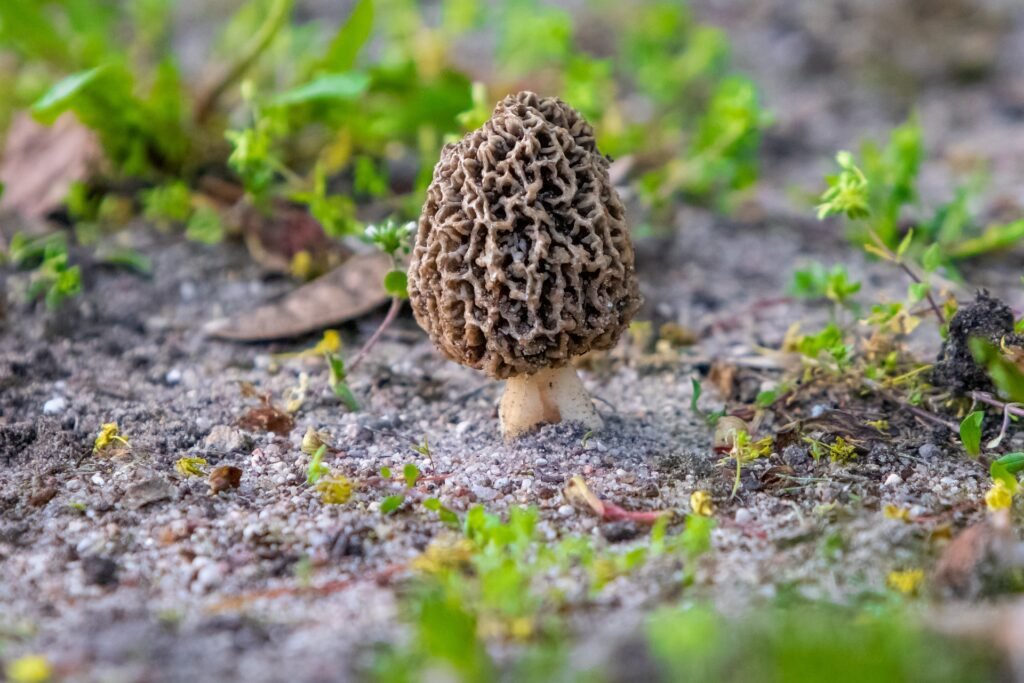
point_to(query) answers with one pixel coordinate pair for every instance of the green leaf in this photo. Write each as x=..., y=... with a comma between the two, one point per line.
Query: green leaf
x=1007, y=377
x=970, y=432
x=917, y=291
x=316, y=468
x=391, y=503
x=58, y=99
x=396, y=284
x=385, y=472
x=1006, y=468
x=932, y=258
x=338, y=86
x=350, y=39
x=908, y=239
x=696, y=396
x=205, y=226
x=994, y=238
x=411, y=474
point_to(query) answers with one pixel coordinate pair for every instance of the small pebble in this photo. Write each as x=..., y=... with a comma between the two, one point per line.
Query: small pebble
x=929, y=451
x=484, y=493
x=893, y=480
x=55, y=406
x=744, y=516
x=566, y=511
x=173, y=377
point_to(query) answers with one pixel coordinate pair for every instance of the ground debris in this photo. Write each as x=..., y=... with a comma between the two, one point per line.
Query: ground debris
x=987, y=318
x=223, y=478
x=349, y=291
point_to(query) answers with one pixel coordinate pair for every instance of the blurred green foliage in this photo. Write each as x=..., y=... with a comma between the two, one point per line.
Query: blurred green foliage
x=338, y=118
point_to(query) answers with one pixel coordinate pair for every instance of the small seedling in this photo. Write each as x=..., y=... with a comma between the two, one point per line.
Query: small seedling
x=316, y=468
x=970, y=432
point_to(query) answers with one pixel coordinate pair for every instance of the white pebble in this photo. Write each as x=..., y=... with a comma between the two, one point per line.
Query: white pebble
x=893, y=480
x=744, y=516
x=566, y=511
x=55, y=406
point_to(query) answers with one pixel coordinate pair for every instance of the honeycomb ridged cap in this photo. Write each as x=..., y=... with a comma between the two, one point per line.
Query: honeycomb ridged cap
x=522, y=257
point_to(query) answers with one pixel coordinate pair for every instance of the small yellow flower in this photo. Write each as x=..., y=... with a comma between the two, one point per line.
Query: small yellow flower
x=109, y=434
x=907, y=582
x=999, y=497
x=700, y=503
x=191, y=467
x=895, y=512
x=29, y=669
x=334, y=489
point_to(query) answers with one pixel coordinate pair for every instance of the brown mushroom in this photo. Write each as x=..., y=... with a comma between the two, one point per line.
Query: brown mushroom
x=523, y=259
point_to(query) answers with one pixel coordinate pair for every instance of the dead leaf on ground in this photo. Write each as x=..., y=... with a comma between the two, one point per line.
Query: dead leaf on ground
x=979, y=553
x=267, y=418
x=579, y=495
x=353, y=289
x=723, y=376
x=223, y=478
x=40, y=163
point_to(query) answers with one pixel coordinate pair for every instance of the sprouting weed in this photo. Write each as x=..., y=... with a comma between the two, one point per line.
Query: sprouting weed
x=316, y=468
x=847, y=192
x=840, y=450
x=109, y=436
x=423, y=449
x=191, y=467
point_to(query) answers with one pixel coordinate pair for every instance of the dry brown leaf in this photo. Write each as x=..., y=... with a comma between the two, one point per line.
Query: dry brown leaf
x=40, y=163
x=267, y=418
x=349, y=291
x=723, y=376
x=977, y=553
x=223, y=478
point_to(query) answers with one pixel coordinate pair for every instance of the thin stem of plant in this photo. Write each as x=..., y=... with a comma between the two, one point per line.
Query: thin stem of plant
x=1014, y=409
x=396, y=307
x=931, y=300
x=920, y=413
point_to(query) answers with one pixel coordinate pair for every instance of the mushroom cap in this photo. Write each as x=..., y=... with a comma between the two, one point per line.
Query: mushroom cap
x=522, y=257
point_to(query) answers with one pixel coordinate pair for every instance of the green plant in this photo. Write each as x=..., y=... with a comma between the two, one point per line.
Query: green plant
x=52, y=278
x=970, y=432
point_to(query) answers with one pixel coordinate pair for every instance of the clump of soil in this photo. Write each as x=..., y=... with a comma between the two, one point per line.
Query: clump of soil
x=987, y=318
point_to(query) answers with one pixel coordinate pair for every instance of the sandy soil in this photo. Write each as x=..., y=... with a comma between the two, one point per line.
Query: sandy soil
x=123, y=570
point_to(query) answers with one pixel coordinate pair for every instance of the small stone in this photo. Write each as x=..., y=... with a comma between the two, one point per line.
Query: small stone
x=616, y=532
x=484, y=493
x=893, y=480
x=227, y=439
x=744, y=516
x=173, y=377
x=566, y=511
x=147, y=491
x=99, y=571
x=929, y=451
x=55, y=406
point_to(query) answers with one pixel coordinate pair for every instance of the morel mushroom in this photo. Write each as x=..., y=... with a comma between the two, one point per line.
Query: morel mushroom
x=523, y=259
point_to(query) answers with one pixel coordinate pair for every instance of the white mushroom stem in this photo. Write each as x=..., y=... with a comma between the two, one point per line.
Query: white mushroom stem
x=545, y=397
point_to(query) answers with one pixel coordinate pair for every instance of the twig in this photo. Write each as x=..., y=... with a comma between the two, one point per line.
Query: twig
x=931, y=300
x=914, y=410
x=250, y=52
x=1008, y=409
x=396, y=306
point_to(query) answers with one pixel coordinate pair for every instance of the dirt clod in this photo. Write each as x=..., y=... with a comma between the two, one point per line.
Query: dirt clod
x=987, y=318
